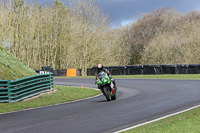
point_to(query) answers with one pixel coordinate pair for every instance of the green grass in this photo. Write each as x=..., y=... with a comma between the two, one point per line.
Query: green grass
x=61, y=94
x=162, y=76
x=11, y=68
x=188, y=122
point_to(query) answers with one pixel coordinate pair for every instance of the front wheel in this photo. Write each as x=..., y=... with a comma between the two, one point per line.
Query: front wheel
x=113, y=96
x=107, y=93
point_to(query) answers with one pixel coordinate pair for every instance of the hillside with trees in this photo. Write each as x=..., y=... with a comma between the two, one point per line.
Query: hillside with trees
x=78, y=35
x=164, y=37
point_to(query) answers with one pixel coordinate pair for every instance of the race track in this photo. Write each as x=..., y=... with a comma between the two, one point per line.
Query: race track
x=138, y=100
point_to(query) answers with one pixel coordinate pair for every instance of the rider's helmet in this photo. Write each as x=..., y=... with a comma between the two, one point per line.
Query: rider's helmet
x=100, y=67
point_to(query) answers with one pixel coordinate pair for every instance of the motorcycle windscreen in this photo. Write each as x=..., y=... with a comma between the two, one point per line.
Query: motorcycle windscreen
x=102, y=75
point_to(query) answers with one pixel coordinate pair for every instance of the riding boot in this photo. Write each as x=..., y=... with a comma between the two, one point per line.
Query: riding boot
x=113, y=81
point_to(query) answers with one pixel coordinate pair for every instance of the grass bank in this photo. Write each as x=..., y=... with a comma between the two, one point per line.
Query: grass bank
x=162, y=76
x=11, y=68
x=61, y=94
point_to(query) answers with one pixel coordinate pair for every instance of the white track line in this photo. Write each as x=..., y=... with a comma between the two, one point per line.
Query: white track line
x=145, y=123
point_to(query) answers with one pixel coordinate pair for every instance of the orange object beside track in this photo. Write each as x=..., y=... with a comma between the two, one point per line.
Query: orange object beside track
x=71, y=72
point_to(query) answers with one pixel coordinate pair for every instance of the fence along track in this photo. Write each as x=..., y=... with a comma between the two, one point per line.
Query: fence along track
x=17, y=90
x=149, y=69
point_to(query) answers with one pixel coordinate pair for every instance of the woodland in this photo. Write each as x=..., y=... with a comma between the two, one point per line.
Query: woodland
x=80, y=36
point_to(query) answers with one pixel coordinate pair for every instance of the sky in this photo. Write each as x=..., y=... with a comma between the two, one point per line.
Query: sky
x=123, y=12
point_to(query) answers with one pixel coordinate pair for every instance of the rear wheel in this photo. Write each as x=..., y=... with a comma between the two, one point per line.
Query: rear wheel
x=107, y=93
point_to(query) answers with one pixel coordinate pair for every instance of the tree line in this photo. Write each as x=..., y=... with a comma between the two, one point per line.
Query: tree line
x=79, y=36
x=164, y=36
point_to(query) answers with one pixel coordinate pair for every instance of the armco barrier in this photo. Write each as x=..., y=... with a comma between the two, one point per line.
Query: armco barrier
x=150, y=69
x=62, y=72
x=134, y=70
x=168, y=69
x=118, y=70
x=193, y=68
x=4, y=91
x=17, y=90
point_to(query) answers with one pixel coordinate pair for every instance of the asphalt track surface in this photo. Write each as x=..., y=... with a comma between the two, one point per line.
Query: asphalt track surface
x=138, y=101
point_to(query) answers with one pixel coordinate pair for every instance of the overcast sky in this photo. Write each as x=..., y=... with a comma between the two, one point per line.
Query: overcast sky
x=122, y=12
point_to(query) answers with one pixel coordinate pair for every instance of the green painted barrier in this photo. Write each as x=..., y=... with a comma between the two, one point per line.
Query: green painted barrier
x=17, y=90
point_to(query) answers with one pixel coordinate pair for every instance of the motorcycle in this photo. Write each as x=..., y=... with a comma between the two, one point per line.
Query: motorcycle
x=104, y=83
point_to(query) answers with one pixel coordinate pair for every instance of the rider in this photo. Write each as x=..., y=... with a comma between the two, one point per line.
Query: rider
x=101, y=68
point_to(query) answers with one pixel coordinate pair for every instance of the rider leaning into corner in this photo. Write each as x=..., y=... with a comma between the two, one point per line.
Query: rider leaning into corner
x=101, y=68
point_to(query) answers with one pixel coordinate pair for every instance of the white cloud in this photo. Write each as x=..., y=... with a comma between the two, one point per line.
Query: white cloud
x=124, y=0
x=125, y=22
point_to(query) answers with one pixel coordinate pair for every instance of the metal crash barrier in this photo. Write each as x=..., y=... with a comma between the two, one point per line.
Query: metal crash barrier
x=17, y=90
x=62, y=72
x=149, y=69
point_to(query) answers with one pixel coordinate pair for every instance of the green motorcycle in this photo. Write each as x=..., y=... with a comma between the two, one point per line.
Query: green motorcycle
x=104, y=83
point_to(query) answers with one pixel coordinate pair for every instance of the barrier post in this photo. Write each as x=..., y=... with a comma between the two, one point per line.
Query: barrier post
x=9, y=93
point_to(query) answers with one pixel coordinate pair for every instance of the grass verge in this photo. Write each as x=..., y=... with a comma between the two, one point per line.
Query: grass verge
x=162, y=76
x=187, y=122
x=61, y=94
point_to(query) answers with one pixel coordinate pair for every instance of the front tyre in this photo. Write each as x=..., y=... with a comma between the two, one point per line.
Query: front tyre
x=107, y=93
x=113, y=96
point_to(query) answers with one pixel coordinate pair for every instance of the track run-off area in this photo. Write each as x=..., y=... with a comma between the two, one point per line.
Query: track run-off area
x=138, y=101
